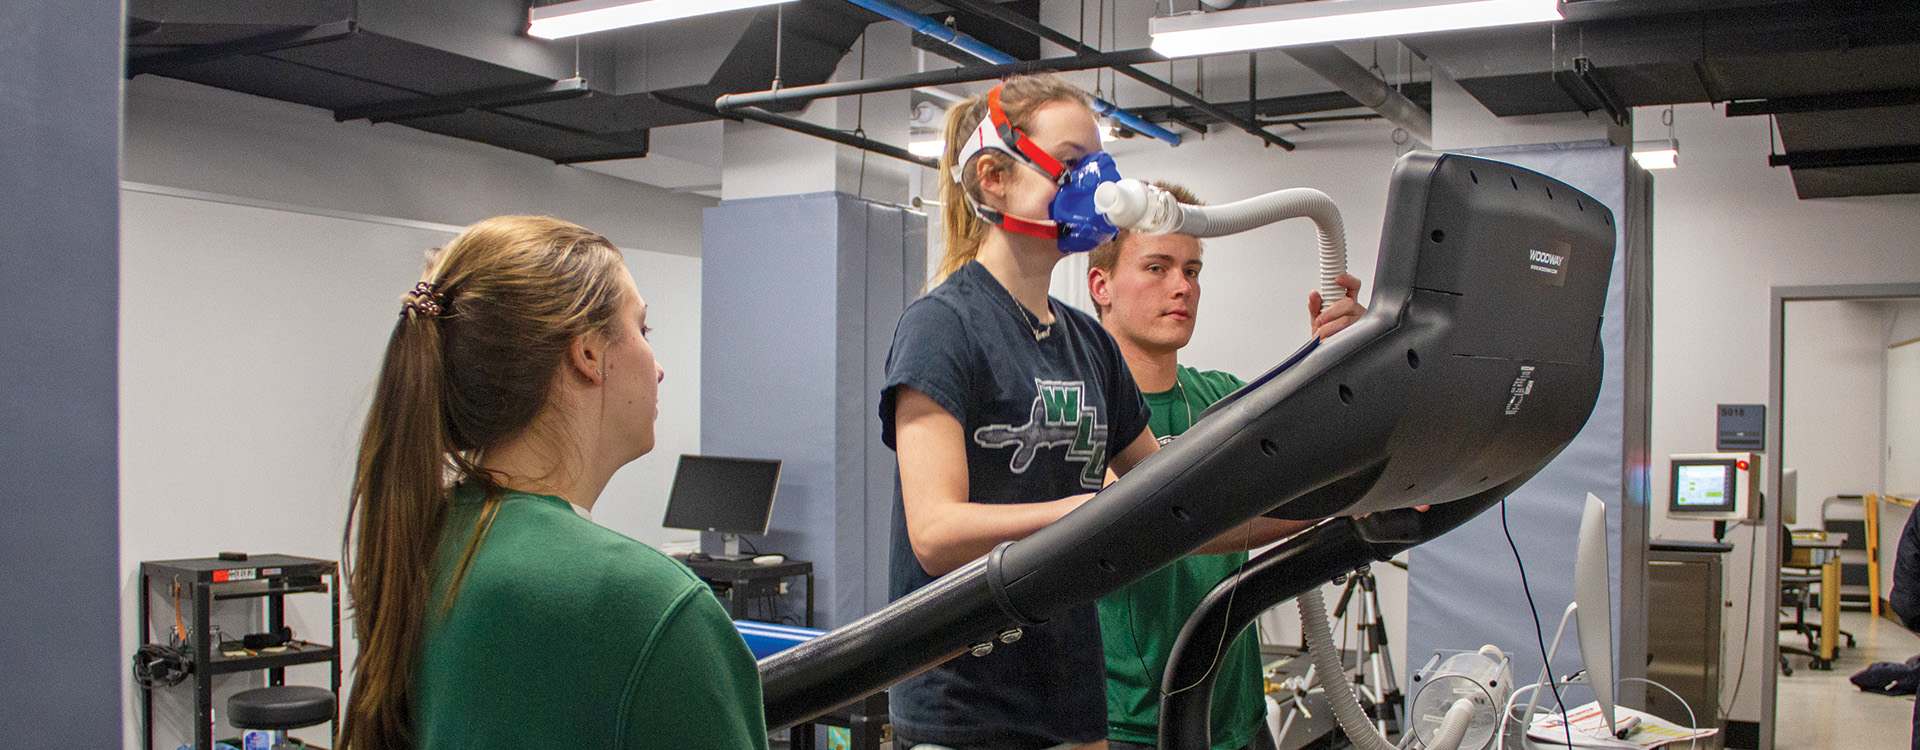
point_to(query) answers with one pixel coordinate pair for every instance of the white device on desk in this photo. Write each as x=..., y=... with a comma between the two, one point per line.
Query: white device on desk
x=1714, y=486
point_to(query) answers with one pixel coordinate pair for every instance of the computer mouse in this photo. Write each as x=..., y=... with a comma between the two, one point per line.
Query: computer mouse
x=769, y=559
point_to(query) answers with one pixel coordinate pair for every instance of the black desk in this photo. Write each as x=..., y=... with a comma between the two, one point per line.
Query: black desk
x=737, y=582
x=864, y=719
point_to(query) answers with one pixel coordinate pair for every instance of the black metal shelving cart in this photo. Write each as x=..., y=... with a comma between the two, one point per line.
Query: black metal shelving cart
x=203, y=581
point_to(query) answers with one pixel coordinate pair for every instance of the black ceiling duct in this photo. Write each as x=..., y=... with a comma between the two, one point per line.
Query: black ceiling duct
x=467, y=69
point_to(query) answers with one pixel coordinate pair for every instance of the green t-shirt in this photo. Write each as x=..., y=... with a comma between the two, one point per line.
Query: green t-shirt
x=1140, y=621
x=567, y=634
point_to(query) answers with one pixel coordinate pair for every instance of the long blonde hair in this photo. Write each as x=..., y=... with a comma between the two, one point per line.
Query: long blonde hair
x=1020, y=96
x=469, y=364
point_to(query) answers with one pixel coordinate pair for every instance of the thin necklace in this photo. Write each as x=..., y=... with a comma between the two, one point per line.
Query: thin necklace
x=1039, y=330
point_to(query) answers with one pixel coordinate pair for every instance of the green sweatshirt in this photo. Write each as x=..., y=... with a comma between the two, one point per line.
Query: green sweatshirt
x=1140, y=621
x=567, y=634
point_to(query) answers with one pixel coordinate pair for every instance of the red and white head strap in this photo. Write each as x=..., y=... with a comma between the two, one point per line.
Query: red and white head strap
x=996, y=132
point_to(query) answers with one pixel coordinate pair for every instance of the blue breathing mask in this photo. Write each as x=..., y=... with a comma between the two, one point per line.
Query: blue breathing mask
x=1081, y=227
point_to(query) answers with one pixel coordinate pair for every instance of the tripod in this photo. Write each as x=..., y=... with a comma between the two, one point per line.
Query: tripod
x=1375, y=683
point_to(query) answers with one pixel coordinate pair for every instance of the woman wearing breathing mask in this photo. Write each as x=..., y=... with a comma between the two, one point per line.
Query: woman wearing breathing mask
x=1006, y=409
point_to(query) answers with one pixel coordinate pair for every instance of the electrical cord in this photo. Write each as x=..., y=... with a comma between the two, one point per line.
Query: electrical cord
x=1746, y=631
x=1246, y=546
x=165, y=664
x=161, y=665
x=1539, y=633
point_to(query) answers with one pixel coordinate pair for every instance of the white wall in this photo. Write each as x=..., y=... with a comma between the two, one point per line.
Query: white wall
x=263, y=252
x=1902, y=439
x=1902, y=382
x=1903, y=421
x=1833, y=401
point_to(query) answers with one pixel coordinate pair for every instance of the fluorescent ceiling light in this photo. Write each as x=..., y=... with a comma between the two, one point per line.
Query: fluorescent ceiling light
x=934, y=148
x=588, y=16
x=929, y=149
x=1321, y=21
x=1657, y=154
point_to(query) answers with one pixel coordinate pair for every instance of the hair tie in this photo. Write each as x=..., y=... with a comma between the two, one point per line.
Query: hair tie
x=421, y=300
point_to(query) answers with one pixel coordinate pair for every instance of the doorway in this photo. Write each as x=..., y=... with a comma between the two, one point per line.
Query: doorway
x=1828, y=411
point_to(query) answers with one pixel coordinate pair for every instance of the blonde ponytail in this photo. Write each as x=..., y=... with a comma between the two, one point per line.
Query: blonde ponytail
x=469, y=364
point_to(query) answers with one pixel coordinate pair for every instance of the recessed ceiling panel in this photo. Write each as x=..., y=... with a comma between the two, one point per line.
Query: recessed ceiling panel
x=152, y=36
x=1671, y=82
x=606, y=113
x=278, y=79
x=1520, y=94
x=406, y=65
x=1850, y=128
x=1819, y=72
x=530, y=137
x=1841, y=182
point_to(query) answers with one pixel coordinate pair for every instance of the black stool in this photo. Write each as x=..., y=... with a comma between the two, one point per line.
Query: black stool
x=279, y=708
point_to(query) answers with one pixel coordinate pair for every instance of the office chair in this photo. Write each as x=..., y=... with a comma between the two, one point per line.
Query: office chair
x=1797, y=580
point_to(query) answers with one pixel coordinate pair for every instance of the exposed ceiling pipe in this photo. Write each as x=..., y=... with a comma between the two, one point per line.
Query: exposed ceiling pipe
x=937, y=30
x=1340, y=70
x=747, y=105
x=995, y=11
x=942, y=77
x=843, y=137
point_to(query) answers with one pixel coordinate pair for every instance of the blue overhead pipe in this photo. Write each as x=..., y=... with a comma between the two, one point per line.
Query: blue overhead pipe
x=975, y=47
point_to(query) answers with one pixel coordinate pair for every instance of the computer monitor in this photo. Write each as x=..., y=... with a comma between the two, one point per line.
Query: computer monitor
x=1714, y=487
x=732, y=496
x=1593, y=592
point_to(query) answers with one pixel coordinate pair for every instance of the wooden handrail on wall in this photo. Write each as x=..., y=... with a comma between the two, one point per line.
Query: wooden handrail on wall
x=1872, y=508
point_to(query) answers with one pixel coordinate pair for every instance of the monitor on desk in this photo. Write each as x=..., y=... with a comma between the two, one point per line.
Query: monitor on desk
x=732, y=496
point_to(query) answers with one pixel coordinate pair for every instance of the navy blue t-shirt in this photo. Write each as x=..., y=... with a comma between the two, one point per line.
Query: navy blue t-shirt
x=1042, y=408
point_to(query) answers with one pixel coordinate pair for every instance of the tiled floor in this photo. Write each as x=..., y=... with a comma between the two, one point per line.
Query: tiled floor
x=1823, y=710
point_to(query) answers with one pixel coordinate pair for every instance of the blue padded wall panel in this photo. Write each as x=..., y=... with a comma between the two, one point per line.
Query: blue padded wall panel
x=60, y=576
x=799, y=299
x=1463, y=589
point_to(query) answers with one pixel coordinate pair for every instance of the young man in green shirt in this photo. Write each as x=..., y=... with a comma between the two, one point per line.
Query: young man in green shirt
x=1147, y=289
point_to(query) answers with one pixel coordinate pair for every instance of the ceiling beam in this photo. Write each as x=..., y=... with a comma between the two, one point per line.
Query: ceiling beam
x=264, y=43
x=1824, y=102
x=1846, y=157
x=511, y=96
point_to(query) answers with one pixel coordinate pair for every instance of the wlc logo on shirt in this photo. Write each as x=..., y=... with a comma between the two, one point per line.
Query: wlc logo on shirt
x=1060, y=417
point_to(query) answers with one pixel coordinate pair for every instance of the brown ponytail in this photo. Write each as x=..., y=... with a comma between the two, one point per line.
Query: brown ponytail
x=1019, y=96
x=468, y=365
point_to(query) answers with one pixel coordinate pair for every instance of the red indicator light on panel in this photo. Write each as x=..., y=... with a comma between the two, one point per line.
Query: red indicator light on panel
x=219, y=576
x=1741, y=465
